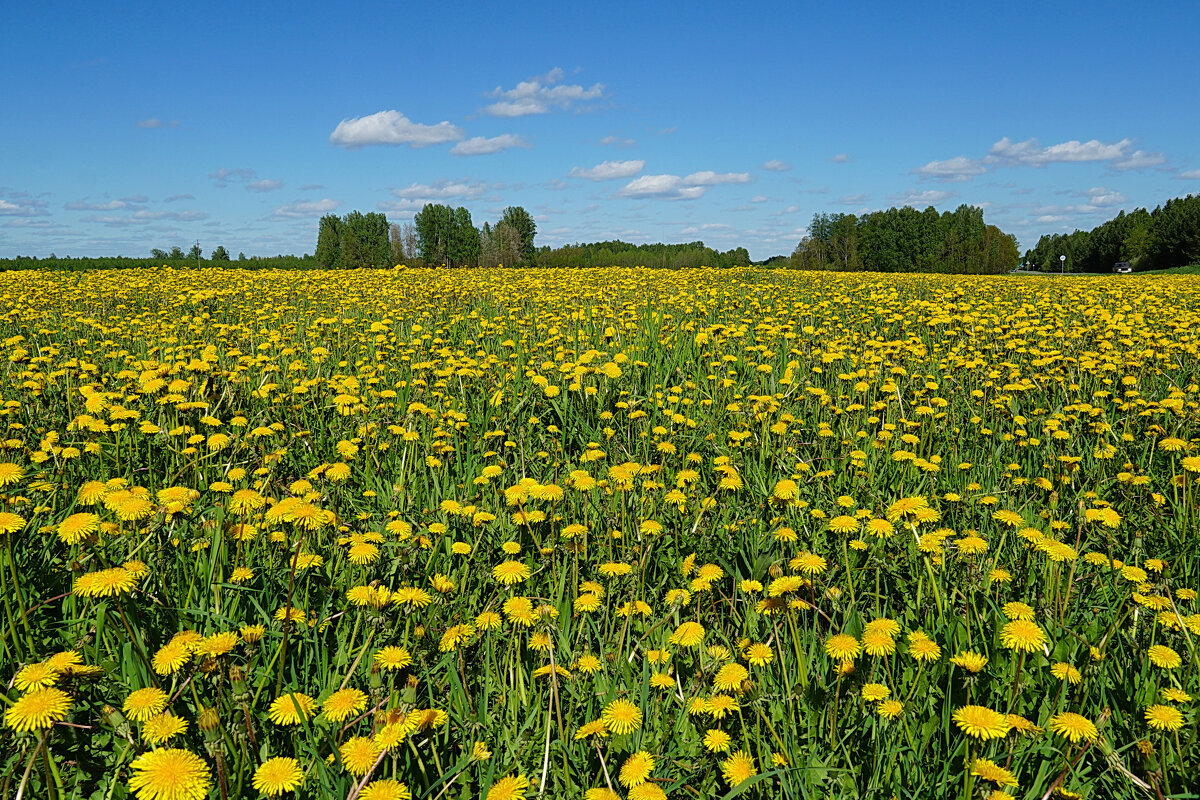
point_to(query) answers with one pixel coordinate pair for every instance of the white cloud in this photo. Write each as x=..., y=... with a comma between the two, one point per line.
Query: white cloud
x=177, y=197
x=306, y=209
x=854, y=199
x=146, y=217
x=482, y=146
x=1139, y=159
x=919, y=199
x=21, y=204
x=618, y=141
x=758, y=198
x=840, y=158
x=710, y=178
x=673, y=187
x=391, y=127
x=308, y=187
x=1030, y=153
x=959, y=168
x=155, y=122
x=1190, y=175
x=111, y=205
x=223, y=177
x=265, y=185
x=1100, y=196
x=539, y=95
x=608, y=170
x=775, y=165
x=416, y=195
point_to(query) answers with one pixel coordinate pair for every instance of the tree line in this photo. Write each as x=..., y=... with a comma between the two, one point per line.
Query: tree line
x=623, y=254
x=1167, y=237
x=907, y=240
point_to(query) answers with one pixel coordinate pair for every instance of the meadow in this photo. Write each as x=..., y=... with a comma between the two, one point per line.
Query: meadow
x=611, y=533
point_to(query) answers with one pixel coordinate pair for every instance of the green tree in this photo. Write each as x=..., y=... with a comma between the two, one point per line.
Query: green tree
x=463, y=246
x=329, y=238
x=520, y=221
x=220, y=253
x=433, y=223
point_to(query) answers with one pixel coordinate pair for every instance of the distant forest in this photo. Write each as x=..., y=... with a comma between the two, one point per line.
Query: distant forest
x=907, y=240
x=1167, y=237
x=895, y=240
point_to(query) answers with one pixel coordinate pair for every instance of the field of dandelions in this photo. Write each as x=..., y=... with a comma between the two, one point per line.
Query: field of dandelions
x=598, y=534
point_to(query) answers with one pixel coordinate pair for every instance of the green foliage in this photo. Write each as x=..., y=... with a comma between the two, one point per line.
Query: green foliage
x=522, y=223
x=1167, y=237
x=689, y=255
x=907, y=240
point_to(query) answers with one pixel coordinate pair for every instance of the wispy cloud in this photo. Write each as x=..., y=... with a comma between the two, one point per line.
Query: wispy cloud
x=918, y=199
x=306, y=209
x=1119, y=156
x=609, y=170
x=265, y=185
x=393, y=128
x=21, y=204
x=414, y=196
x=840, y=158
x=482, y=146
x=618, y=141
x=775, y=165
x=1190, y=175
x=540, y=95
x=225, y=176
x=177, y=197
x=674, y=187
x=155, y=122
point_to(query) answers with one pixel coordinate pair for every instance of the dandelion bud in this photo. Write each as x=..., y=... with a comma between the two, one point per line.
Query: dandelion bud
x=209, y=721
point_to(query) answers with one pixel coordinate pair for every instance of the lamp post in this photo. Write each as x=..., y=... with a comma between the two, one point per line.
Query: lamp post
x=1062, y=261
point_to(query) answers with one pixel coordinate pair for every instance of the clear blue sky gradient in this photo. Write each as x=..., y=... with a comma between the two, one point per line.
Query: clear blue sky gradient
x=158, y=124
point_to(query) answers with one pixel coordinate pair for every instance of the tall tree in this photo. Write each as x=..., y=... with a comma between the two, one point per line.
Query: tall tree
x=463, y=247
x=220, y=253
x=433, y=223
x=329, y=242
x=520, y=221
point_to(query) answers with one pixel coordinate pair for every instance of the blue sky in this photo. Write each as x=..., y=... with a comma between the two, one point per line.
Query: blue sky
x=240, y=124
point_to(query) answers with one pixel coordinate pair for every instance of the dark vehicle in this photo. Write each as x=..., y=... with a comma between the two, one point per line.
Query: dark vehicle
x=1123, y=267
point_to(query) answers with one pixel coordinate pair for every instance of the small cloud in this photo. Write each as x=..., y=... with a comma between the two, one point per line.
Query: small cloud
x=918, y=199
x=1139, y=159
x=758, y=198
x=959, y=168
x=223, y=177
x=854, y=199
x=673, y=187
x=155, y=122
x=481, y=146
x=617, y=141
x=177, y=197
x=775, y=165
x=417, y=195
x=1190, y=175
x=309, y=187
x=840, y=158
x=111, y=205
x=391, y=127
x=1031, y=153
x=264, y=185
x=666, y=131
x=306, y=209
x=539, y=95
x=608, y=170
x=21, y=204
x=1099, y=196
